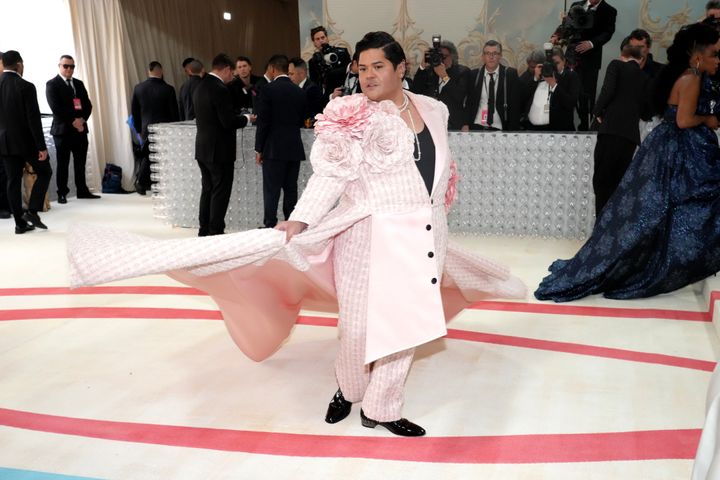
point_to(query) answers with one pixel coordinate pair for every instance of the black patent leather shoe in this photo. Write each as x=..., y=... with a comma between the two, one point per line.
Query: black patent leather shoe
x=402, y=427
x=338, y=409
x=34, y=219
x=20, y=229
x=62, y=199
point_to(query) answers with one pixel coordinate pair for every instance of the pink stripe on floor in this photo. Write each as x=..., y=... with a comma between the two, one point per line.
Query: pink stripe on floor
x=509, y=449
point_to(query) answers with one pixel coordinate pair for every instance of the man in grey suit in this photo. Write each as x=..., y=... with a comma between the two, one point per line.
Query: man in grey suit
x=21, y=141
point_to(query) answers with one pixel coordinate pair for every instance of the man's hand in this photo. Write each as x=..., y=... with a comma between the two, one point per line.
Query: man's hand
x=465, y=128
x=712, y=122
x=583, y=47
x=43, y=155
x=79, y=124
x=440, y=71
x=291, y=228
x=336, y=93
x=258, y=158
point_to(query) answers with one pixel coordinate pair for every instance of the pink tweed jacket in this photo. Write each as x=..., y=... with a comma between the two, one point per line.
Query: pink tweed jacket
x=363, y=172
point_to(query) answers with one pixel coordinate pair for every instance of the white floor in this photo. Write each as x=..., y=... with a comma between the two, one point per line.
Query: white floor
x=144, y=384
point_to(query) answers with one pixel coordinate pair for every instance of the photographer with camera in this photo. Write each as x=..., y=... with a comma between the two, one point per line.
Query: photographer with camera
x=551, y=103
x=588, y=26
x=441, y=77
x=493, y=99
x=328, y=64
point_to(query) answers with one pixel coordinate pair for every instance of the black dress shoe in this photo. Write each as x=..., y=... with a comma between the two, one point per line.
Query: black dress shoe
x=87, y=195
x=34, y=219
x=62, y=199
x=402, y=427
x=338, y=409
x=23, y=228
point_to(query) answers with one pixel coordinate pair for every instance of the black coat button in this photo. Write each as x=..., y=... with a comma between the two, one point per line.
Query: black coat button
x=431, y=254
x=428, y=227
x=433, y=281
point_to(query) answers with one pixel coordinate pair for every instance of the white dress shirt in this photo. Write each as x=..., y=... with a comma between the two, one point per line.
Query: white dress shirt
x=480, y=118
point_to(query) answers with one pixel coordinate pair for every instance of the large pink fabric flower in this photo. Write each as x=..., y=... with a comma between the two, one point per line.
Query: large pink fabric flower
x=349, y=114
x=451, y=192
x=387, y=142
x=336, y=155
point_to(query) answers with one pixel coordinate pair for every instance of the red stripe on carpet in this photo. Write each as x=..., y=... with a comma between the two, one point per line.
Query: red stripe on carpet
x=580, y=349
x=110, y=312
x=194, y=314
x=555, y=309
x=546, y=308
x=510, y=449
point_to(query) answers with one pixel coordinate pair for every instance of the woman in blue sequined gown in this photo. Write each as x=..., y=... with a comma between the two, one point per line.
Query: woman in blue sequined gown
x=660, y=230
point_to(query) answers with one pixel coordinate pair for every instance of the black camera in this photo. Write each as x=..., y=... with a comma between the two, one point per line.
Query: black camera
x=548, y=66
x=576, y=21
x=434, y=56
x=328, y=58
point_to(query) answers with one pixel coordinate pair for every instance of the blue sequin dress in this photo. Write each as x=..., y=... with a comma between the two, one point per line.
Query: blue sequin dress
x=660, y=230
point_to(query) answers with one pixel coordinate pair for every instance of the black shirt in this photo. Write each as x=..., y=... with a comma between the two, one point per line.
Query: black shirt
x=426, y=163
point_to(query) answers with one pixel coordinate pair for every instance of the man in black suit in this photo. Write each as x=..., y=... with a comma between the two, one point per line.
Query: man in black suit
x=243, y=84
x=551, y=104
x=153, y=101
x=493, y=98
x=21, y=141
x=328, y=75
x=4, y=205
x=297, y=71
x=585, y=55
x=185, y=104
x=618, y=111
x=71, y=108
x=280, y=112
x=446, y=82
x=215, y=144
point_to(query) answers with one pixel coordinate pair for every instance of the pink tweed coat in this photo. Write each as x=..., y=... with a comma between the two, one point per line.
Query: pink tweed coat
x=367, y=196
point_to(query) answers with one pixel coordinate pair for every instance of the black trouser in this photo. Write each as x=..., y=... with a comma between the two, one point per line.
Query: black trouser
x=142, y=179
x=586, y=99
x=613, y=155
x=4, y=205
x=279, y=175
x=14, y=169
x=77, y=145
x=217, y=181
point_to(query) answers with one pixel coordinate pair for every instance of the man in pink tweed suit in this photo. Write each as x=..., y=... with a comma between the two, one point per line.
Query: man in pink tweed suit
x=375, y=154
x=369, y=235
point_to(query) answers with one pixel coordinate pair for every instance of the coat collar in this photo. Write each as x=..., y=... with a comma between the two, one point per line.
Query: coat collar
x=436, y=122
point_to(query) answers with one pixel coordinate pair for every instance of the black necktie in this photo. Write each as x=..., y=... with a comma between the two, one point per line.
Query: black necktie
x=491, y=99
x=70, y=84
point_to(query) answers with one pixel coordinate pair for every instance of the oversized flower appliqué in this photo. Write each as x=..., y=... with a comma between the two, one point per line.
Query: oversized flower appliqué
x=336, y=155
x=387, y=142
x=451, y=192
x=349, y=115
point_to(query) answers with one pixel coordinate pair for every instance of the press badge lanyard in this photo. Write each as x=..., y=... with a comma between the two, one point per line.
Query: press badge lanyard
x=77, y=104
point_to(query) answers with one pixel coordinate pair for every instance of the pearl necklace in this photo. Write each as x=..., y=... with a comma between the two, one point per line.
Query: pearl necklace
x=404, y=107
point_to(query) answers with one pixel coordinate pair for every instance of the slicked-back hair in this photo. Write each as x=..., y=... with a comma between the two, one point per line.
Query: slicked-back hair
x=299, y=63
x=280, y=62
x=10, y=59
x=315, y=30
x=385, y=42
x=640, y=34
x=221, y=61
x=69, y=57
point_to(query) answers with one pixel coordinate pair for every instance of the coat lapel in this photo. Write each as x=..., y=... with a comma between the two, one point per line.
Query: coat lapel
x=434, y=121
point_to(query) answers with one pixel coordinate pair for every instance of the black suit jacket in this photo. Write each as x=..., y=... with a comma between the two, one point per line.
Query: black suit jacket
x=243, y=94
x=622, y=100
x=599, y=34
x=216, y=121
x=60, y=98
x=562, y=101
x=315, y=100
x=153, y=101
x=453, y=94
x=281, y=110
x=185, y=102
x=508, y=93
x=21, y=133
